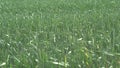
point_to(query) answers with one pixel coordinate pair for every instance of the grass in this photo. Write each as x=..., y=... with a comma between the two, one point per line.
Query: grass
x=59, y=34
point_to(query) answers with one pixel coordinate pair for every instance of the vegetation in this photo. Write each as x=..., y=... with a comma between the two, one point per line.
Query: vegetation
x=59, y=33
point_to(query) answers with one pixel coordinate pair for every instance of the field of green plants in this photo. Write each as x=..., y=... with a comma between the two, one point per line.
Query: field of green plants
x=59, y=33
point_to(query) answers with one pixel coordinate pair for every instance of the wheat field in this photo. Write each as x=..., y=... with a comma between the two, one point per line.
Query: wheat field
x=59, y=33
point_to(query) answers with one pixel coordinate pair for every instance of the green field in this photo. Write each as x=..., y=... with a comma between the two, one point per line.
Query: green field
x=59, y=33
